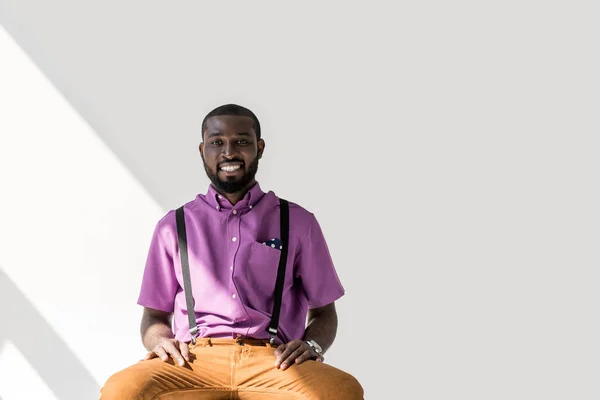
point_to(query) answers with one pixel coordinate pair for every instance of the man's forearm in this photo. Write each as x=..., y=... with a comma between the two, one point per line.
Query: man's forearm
x=153, y=331
x=322, y=328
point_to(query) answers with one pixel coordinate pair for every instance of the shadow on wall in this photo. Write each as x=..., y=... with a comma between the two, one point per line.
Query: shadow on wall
x=25, y=327
x=99, y=91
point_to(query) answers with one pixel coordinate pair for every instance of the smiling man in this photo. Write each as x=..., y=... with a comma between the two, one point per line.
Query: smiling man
x=257, y=272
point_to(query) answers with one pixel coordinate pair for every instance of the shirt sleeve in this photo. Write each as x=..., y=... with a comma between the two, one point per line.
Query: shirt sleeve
x=315, y=268
x=159, y=283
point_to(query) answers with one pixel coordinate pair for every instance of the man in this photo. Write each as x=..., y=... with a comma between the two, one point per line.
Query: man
x=236, y=243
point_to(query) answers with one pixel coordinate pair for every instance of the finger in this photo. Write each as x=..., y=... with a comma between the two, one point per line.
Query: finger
x=161, y=353
x=184, y=350
x=149, y=355
x=280, y=350
x=174, y=352
x=291, y=358
x=289, y=349
x=307, y=355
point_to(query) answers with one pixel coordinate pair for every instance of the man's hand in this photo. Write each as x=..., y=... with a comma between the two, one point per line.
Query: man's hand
x=170, y=348
x=294, y=352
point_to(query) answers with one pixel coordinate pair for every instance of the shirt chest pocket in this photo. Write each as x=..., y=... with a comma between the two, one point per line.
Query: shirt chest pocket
x=261, y=267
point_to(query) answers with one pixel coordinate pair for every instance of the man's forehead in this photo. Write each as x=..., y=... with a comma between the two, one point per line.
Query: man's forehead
x=229, y=122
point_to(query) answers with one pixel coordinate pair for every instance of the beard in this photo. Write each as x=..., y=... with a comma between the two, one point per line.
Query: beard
x=233, y=184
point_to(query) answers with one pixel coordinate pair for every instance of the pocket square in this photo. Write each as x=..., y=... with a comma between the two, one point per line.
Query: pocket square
x=274, y=243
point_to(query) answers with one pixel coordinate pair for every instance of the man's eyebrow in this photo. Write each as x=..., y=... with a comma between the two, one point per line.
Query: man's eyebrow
x=213, y=134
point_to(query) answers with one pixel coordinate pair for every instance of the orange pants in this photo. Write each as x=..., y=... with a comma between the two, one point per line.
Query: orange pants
x=230, y=369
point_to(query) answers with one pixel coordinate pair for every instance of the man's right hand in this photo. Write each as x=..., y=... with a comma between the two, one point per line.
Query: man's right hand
x=170, y=348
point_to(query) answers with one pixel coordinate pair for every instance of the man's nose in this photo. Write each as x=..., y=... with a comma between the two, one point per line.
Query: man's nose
x=229, y=148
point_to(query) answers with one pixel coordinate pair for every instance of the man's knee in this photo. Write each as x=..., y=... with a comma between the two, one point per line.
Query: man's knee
x=338, y=384
x=349, y=387
x=131, y=383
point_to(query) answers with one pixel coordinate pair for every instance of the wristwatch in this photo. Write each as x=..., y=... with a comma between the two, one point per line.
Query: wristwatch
x=315, y=347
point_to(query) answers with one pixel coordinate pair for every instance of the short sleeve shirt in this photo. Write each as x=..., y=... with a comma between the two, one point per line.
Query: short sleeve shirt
x=234, y=256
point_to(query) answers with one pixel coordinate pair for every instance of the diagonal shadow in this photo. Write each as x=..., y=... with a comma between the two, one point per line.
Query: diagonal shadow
x=127, y=121
x=43, y=348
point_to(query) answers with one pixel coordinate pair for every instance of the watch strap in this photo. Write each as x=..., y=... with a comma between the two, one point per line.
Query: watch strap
x=313, y=345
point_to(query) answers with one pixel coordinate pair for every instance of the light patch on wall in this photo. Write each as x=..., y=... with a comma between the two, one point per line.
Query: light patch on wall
x=26, y=384
x=76, y=224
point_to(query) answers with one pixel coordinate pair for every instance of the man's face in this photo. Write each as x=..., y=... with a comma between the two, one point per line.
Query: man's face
x=230, y=152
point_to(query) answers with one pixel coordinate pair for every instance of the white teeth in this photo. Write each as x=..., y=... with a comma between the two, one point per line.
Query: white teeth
x=231, y=168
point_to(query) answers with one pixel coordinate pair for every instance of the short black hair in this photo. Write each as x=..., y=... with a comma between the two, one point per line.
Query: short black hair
x=232, y=109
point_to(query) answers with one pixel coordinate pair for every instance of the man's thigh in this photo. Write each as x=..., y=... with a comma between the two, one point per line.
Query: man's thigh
x=257, y=377
x=207, y=375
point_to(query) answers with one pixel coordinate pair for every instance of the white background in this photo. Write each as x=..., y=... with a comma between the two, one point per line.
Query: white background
x=449, y=150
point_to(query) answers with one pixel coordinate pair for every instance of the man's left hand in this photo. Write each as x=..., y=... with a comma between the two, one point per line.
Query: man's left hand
x=294, y=352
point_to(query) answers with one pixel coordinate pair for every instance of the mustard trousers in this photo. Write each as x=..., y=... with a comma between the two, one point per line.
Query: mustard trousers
x=230, y=369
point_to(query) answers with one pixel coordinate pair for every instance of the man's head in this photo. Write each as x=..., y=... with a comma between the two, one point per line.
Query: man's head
x=231, y=147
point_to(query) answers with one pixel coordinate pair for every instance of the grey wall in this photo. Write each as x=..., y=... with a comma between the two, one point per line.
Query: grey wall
x=448, y=149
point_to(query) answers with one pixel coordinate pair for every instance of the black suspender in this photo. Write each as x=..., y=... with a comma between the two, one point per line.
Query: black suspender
x=185, y=268
x=284, y=226
x=273, y=328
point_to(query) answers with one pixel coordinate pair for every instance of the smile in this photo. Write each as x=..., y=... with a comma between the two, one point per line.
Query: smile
x=230, y=168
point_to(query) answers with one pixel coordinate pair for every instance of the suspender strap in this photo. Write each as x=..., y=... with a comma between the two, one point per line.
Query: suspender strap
x=273, y=328
x=285, y=228
x=185, y=267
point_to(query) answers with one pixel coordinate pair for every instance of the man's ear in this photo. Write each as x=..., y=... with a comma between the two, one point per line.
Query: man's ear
x=261, y=148
x=201, y=149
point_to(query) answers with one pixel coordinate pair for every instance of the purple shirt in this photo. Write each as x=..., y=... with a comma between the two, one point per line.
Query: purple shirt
x=233, y=272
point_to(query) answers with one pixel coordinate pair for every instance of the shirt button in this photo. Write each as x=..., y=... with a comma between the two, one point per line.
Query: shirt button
x=231, y=267
x=217, y=207
x=233, y=239
x=234, y=212
x=233, y=295
x=250, y=207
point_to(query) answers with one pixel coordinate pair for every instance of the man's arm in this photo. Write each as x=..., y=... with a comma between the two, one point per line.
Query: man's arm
x=158, y=338
x=322, y=328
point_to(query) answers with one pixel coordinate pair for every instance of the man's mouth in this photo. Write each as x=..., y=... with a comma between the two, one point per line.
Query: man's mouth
x=230, y=167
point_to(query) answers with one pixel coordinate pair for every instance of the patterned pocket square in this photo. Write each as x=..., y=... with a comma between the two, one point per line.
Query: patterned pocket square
x=274, y=243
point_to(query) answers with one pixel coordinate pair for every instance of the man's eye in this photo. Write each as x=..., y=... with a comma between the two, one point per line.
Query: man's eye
x=243, y=141
x=216, y=142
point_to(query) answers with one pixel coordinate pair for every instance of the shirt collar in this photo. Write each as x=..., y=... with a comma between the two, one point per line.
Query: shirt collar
x=220, y=202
